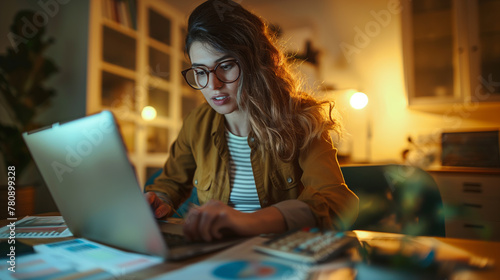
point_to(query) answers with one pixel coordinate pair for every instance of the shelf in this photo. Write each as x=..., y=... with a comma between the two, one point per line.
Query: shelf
x=159, y=45
x=130, y=68
x=156, y=159
x=159, y=27
x=159, y=63
x=127, y=130
x=118, y=92
x=118, y=48
x=157, y=139
x=118, y=70
x=160, y=100
x=159, y=121
x=155, y=82
x=119, y=28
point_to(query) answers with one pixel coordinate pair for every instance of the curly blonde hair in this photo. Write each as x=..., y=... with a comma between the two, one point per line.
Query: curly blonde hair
x=283, y=118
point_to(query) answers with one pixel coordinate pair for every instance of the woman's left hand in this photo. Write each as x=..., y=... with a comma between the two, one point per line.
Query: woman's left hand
x=214, y=219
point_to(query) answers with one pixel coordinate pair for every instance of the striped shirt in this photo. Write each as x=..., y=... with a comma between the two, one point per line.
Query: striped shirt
x=244, y=195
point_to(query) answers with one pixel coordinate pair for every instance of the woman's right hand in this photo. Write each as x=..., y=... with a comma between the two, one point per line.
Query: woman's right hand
x=160, y=208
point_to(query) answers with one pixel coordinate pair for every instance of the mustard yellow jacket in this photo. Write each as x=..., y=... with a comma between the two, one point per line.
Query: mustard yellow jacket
x=200, y=158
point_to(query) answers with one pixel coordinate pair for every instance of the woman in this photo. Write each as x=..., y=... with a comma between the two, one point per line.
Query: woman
x=259, y=152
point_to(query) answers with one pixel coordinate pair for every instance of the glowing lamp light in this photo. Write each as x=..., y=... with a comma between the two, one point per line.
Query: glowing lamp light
x=148, y=113
x=358, y=100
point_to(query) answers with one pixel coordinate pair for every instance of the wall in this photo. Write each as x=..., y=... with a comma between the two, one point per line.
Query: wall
x=67, y=22
x=375, y=67
x=379, y=68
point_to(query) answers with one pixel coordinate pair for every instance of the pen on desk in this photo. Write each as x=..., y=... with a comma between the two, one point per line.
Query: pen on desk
x=175, y=211
x=180, y=216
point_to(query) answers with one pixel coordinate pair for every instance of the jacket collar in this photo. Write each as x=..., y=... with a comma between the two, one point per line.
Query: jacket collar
x=218, y=125
x=218, y=130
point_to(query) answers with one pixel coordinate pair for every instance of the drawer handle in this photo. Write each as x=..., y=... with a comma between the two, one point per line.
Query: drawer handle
x=473, y=205
x=472, y=187
x=473, y=226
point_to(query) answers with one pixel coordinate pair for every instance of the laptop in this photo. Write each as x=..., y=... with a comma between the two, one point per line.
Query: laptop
x=85, y=165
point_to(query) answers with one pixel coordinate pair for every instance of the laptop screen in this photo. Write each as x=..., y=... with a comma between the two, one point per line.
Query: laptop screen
x=86, y=168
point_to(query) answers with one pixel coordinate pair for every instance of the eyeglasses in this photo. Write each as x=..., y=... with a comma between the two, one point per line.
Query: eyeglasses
x=227, y=71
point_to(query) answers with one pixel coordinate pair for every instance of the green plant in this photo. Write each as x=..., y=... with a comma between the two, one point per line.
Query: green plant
x=23, y=72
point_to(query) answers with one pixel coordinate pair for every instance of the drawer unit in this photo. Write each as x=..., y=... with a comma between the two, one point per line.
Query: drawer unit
x=468, y=185
x=472, y=203
x=470, y=229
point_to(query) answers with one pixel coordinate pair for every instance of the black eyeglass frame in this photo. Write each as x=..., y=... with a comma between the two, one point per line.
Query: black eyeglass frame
x=208, y=71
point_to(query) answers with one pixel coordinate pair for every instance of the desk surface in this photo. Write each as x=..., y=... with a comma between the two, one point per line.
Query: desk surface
x=481, y=248
x=486, y=249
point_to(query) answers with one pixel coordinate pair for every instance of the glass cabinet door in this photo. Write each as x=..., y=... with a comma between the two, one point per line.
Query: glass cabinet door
x=487, y=82
x=451, y=52
x=433, y=47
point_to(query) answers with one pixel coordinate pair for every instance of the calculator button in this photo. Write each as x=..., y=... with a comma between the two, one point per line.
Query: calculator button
x=308, y=245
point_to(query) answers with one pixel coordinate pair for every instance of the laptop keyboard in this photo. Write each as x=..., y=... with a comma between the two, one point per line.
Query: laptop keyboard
x=174, y=240
x=177, y=240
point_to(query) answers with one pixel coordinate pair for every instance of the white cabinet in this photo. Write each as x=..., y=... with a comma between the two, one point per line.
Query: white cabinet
x=472, y=202
x=451, y=52
x=135, y=59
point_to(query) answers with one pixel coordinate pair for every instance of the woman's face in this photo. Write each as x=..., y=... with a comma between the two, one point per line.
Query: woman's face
x=221, y=96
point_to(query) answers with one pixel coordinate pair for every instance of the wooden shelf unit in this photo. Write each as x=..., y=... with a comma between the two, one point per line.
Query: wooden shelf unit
x=130, y=68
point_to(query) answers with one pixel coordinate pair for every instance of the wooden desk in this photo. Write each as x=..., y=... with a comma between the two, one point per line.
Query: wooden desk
x=480, y=248
x=485, y=249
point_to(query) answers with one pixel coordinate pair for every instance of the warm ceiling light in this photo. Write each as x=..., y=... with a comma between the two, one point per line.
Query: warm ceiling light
x=148, y=113
x=358, y=100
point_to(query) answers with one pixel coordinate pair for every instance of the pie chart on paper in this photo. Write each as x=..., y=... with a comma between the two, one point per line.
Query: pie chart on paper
x=244, y=269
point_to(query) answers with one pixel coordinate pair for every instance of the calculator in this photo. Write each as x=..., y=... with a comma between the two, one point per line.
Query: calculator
x=310, y=245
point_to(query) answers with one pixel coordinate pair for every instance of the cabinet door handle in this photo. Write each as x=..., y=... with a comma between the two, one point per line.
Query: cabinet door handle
x=473, y=226
x=472, y=187
x=473, y=205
